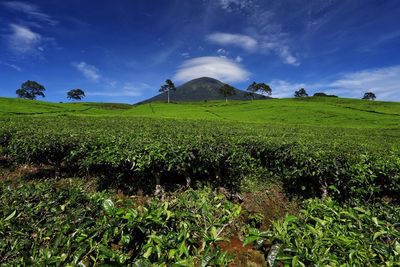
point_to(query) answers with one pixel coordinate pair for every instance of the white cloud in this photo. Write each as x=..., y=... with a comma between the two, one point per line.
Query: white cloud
x=89, y=71
x=275, y=43
x=219, y=68
x=32, y=11
x=282, y=88
x=243, y=41
x=287, y=56
x=23, y=40
x=384, y=82
x=128, y=90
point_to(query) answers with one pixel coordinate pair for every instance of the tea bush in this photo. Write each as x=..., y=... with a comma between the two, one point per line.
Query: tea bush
x=328, y=234
x=62, y=224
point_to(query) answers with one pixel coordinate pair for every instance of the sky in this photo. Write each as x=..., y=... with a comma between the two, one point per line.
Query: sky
x=124, y=50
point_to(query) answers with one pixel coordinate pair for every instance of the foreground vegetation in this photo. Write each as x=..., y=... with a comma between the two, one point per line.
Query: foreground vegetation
x=328, y=234
x=64, y=223
x=58, y=224
x=344, y=175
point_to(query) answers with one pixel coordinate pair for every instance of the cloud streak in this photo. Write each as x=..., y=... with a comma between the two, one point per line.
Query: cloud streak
x=87, y=70
x=265, y=44
x=215, y=67
x=128, y=90
x=10, y=65
x=30, y=10
x=228, y=39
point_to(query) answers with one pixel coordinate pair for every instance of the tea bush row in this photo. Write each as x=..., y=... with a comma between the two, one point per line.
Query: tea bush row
x=135, y=153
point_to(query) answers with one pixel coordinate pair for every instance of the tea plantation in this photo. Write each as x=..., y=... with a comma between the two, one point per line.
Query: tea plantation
x=79, y=183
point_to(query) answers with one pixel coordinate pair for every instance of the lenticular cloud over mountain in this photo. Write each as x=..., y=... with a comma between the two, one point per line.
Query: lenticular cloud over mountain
x=215, y=67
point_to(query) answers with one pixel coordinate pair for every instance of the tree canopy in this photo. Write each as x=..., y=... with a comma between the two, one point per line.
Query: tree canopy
x=30, y=90
x=301, y=93
x=322, y=94
x=369, y=96
x=75, y=94
x=167, y=87
x=227, y=90
x=258, y=88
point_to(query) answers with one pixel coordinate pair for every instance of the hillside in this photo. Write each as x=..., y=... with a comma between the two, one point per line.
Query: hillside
x=318, y=111
x=200, y=89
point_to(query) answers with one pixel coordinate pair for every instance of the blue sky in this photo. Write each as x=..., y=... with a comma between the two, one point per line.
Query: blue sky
x=122, y=51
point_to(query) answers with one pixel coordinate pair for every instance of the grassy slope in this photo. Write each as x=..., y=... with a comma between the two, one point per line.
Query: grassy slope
x=339, y=112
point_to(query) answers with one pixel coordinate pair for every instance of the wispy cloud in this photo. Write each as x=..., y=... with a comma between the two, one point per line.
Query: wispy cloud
x=222, y=52
x=185, y=55
x=281, y=88
x=272, y=44
x=384, y=82
x=215, y=67
x=382, y=40
x=89, y=71
x=30, y=10
x=129, y=89
x=264, y=44
x=232, y=5
x=10, y=65
x=228, y=39
x=238, y=59
x=23, y=40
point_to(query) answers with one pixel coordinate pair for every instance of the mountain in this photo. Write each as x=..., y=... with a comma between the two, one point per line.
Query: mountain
x=200, y=89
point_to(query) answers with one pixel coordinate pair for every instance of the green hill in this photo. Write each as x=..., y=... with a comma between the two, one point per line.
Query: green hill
x=318, y=111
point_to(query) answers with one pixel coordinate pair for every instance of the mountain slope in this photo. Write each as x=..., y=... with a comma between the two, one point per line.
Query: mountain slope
x=200, y=89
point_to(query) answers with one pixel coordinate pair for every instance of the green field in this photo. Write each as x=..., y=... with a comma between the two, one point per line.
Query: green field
x=332, y=164
x=318, y=111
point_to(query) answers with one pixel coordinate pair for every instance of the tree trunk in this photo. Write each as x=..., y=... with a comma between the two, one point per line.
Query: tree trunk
x=57, y=172
x=159, y=190
x=168, y=95
x=226, y=100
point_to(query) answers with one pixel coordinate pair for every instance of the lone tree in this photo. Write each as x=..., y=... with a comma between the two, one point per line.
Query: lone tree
x=30, y=89
x=227, y=90
x=301, y=93
x=369, y=96
x=167, y=87
x=75, y=94
x=258, y=88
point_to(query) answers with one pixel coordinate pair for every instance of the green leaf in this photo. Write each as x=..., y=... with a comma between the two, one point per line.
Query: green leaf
x=108, y=205
x=290, y=218
x=378, y=234
x=375, y=220
x=148, y=252
x=250, y=239
x=9, y=217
